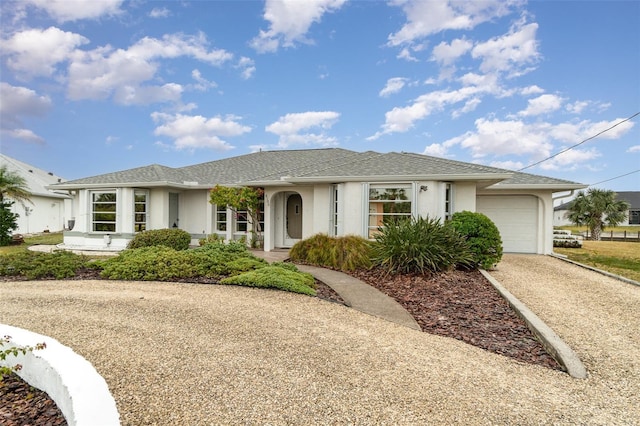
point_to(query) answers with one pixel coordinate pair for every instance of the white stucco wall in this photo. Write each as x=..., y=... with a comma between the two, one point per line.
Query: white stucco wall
x=42, y=214
x=464, y=197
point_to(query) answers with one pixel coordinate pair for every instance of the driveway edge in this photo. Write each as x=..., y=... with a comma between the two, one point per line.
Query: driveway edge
x=556, y=347
x=591, y=268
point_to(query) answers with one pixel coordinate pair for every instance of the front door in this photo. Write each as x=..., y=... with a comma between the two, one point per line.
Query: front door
x=293, y=219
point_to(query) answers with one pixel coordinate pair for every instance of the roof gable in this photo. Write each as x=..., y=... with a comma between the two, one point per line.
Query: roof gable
x=36, y=179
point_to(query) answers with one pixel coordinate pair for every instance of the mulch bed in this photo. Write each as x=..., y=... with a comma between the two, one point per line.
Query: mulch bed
x=465, y=306
x=459, y=304
x=25, y=405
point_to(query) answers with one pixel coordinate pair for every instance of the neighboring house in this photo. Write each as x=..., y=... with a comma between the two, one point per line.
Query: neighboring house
x=633, y=214
x=332, y=191
x=46, y=211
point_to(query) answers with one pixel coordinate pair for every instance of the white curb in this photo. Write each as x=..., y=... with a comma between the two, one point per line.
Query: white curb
x=70, y=380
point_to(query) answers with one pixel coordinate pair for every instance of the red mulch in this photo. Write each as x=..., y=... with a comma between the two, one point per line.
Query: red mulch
x=458, y=304
x=21, y=404
x=465, y=306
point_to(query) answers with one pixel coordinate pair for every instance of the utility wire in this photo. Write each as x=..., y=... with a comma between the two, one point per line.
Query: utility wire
x=580, y=143
x=617, y=177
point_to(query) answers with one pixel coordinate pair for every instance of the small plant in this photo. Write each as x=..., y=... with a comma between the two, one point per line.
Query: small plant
x=419, y=246
x=35, y=265
x=276, y=277
x=15, y=351
x=211, y=239
x=346, y=253
x=176, y=239
x=481, y=234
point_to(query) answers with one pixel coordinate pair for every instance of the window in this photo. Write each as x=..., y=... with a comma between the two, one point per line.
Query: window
x=140, y=210
x=260, y=213
x=103, y=211
x=334, y=211
x=448, y=203
x=388, y=202
x=221, y=218
x=242, y=221
x=634, y=217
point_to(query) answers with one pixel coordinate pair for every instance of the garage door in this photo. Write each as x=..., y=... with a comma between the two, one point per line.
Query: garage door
x=516, y=218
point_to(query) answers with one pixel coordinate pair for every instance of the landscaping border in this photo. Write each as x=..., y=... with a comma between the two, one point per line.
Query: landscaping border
x=81, y=394
x=556, y=347
x=591, y=268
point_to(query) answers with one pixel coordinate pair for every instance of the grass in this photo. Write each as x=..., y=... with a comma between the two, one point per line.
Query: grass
x=619, y=258
x=49, y=238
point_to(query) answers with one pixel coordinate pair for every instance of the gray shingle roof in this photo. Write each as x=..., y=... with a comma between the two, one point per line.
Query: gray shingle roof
x=314, y=165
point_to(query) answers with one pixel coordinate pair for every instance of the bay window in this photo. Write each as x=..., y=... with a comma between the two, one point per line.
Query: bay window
x=103, y=211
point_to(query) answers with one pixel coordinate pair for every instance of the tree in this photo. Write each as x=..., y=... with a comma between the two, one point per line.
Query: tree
x=13, y=186
x=241, y=198
x=597, y=208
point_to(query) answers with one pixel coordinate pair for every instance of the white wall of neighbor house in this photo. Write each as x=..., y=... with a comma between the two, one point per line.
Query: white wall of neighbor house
x=42, y=214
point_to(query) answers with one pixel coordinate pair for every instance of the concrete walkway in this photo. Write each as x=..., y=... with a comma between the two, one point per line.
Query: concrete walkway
x=356, y=294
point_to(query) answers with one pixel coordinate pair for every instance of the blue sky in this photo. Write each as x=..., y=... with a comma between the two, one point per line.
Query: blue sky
x=91, y=87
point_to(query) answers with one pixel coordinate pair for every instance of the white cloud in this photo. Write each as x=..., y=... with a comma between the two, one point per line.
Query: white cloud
x=633, y=149
x=577, y=107
x=195, y=131
x=292, y=129
x=202, y=83
x=508, y=164
x=511, y=137
x=447, y=53
x=65, y=10
x=542, y=105
x=247, y=67
x=510, y=52
x=436, y=150
x=469, y=106
x=36, y=52
x=290, y=21
x=571, y=160
x=531, y=90
x=160, y=12
x=105, y=72
x=17, y=102
x=574, y=132
x=425, y=18
x=402, y=119
x=394, y=85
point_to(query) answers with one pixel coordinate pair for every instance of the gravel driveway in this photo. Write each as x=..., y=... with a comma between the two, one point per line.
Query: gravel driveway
x=204, y=354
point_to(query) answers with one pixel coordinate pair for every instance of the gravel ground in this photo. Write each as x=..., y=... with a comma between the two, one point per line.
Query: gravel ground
x=199, y=354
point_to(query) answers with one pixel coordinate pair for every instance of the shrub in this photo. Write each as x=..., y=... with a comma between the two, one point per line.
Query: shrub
x=346, y=253
x=176, y=239
x=8, y=223
x=211, y=239
x=419, y=246
x=276, y=277
x=35, y=265
x=148, y=264
x=481, y=234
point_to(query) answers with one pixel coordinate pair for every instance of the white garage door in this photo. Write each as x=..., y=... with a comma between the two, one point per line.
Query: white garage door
x=516, y=218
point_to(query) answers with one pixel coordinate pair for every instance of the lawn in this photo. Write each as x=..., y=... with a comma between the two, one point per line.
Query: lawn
x=616, y=257
x=49, y=238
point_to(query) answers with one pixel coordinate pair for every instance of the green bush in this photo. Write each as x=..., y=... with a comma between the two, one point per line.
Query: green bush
x=8, y=223
x=276, y=277
x=419, y=246
x=36, y=265
x=346, y=253
x=149, y=264
x=176, y=239
x=481, y=234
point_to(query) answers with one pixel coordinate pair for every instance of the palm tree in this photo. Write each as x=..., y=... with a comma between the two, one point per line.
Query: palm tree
x=597, y=208
x=13, y=186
